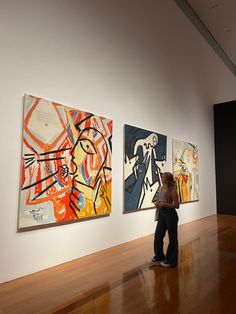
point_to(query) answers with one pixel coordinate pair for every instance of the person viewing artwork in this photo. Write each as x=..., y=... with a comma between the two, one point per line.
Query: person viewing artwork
x=166, y=203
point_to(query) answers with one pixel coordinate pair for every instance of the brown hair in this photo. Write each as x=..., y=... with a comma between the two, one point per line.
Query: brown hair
x=170, y=180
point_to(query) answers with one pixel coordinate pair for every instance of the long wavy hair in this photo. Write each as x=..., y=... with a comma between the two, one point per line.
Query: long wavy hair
x=171, y=184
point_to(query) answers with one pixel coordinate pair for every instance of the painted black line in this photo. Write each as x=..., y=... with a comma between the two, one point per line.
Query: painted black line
x=48, y=187
x=108, y=200
x=77, y=125
x=27, y=160
x=46, y=159
x=29, y=165
x=37, y=182
x=33, y=150
x=55, y=151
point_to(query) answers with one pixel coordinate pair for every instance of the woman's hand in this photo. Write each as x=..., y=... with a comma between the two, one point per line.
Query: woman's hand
x=160, y=205
x=157, y=204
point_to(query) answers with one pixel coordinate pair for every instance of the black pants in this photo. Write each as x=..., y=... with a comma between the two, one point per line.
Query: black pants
x=167, y=220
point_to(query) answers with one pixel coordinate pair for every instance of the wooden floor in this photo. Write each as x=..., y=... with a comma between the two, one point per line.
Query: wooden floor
x=122, y=279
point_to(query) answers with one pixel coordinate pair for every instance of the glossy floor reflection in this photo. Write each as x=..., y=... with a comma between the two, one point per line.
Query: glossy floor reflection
x=204, y=281
x=123, y=280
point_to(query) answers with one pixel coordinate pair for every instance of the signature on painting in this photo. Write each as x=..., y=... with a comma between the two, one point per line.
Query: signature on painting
x=37, y=214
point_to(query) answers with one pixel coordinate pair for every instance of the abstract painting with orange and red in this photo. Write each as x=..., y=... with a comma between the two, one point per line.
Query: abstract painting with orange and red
x=185, y=170
x=66, y=164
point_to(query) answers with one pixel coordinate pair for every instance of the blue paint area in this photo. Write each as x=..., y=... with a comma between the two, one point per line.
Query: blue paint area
x=133, y=188
x=81, y=201
x=70, y=134
x=87, y=180
x=75, y=116
x=58, y=181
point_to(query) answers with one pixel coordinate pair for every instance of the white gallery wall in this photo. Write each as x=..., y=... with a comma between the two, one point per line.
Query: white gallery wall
x=137, y=62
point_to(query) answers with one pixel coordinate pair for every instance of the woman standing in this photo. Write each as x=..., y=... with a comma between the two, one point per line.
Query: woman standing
x=166, y=204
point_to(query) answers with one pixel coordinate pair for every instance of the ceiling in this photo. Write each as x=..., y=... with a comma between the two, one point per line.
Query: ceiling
x=216, y=20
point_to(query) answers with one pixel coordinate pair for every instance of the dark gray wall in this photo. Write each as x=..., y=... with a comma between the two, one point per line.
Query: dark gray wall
x=225, y=156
